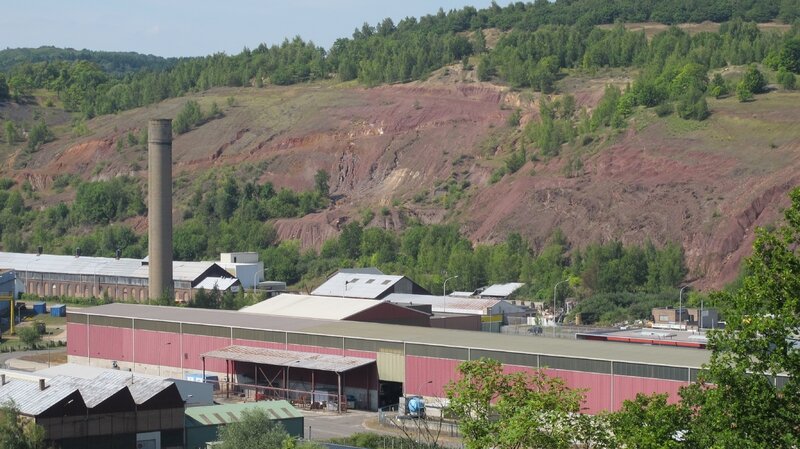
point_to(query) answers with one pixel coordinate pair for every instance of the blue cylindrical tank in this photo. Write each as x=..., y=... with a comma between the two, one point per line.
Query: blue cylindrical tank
x=416, y=406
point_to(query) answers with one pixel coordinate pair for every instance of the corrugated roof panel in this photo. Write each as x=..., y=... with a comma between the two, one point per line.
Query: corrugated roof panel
x=93, y=393
x=448, y=304
x=100, y=266
x=228, y=413
x=501, y=290
x=221, y=284
x=356, y=285
x=32, y=401
x=294, y=359
x=143, y=388
x=306, y=306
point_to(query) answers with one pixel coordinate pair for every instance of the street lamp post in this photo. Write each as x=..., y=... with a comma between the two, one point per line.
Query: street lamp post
x=680, y=306
x=159, y=358
x=444, y=292
x=555, y=289
x=255, y=281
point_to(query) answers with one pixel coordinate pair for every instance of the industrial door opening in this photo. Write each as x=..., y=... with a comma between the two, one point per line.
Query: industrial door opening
x=389, y=393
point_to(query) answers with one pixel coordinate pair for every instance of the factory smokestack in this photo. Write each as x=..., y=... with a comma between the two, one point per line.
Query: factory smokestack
x=159, y=204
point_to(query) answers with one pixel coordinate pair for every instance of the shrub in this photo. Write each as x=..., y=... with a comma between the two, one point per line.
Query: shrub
x=787, y=80
x=743, y=93
x=664, y=109
x=754, y=80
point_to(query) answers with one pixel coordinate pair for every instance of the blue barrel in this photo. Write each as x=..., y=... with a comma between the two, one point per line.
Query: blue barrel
x=39, y=308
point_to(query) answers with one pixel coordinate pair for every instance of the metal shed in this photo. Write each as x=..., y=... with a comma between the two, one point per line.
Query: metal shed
x=203, y=423
x=289, y=362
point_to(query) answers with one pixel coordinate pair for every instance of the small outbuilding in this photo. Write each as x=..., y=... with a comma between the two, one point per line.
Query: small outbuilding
x=203, y=423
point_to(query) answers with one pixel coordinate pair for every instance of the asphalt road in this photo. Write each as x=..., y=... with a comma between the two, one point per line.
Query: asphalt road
x=322, y=426
x=6, y=356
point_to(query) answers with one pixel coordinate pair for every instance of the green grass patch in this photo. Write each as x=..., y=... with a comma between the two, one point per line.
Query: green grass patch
x=677, y=126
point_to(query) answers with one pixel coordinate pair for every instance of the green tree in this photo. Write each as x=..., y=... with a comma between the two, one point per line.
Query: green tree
x=17, y=432
x=743, y=93
x=510, y=411
x=786, y=79
x=754, y=81
x=718, y=87
x=4, y=91
x=188, y=117
x=29, y=335
x=321, y=179
x=648, y=422
x=739, y=402
x=255, y=430
x=39, y=135
x=11, y=133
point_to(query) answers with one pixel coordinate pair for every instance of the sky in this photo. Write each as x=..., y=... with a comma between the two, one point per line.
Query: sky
x=199, y=27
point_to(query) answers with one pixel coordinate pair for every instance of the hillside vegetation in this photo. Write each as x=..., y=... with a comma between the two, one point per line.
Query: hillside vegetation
x=542, y=146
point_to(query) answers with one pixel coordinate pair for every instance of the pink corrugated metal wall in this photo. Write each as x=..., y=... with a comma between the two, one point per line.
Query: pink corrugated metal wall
x=76, y=343
x=626, y=387
x=427, y=376
x=598, y=396
x=195, y=345
x=110, y=343
x=157, y=348
x=423, y=375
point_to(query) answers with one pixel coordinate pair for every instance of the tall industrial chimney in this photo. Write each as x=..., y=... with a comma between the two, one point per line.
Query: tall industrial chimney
x=159, y=203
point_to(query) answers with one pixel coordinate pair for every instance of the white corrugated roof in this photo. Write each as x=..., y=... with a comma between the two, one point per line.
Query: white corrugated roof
x=306, y=306
x=461, y=294
x=449, y=304
x=32, y=401
x=100, y=266
x=501, y=290
x=221, y=284
x=357, y=285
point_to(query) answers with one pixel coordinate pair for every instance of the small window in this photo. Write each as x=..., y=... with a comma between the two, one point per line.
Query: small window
x=352, y=281
x=369, y=281
x=386, y=281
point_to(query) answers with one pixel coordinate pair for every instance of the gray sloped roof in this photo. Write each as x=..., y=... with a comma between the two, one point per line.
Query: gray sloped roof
x=32, y=401
x=221, y=284
x=100, y=266
x=365, y=270
x=293, y=359
x=354, y=285
x=309, y=306
x=93, y=393
x=501, y=290
x=142, y=388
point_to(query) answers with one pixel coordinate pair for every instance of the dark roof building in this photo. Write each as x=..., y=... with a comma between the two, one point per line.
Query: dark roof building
x=113, y=410
x=203, y=423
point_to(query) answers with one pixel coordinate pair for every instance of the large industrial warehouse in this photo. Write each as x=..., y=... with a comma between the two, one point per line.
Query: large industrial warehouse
x=118, y=278
x=372, y=363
